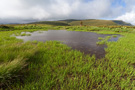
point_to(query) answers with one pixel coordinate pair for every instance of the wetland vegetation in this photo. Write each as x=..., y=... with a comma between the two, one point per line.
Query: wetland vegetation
x=51, y=65
x=86, y=42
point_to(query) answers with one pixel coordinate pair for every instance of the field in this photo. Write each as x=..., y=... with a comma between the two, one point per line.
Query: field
x=55, y=66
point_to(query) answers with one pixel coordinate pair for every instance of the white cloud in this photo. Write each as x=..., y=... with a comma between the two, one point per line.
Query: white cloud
x=53, y=9
x=20, y=10
x=129, y=13
x=128, y=17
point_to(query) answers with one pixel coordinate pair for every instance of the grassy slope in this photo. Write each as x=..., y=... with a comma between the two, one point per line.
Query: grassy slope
x=121, y=22
x=90, y=22
x=54, y=23
x=53, y=65
x=93, y=22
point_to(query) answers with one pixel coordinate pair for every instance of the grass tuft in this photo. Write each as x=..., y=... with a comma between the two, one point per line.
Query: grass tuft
x=10, y=70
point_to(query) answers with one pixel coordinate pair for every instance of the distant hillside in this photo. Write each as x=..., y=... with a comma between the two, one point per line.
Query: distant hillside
x=55, y=23
x=93, y=22
x=89, y=22
x=119, y=22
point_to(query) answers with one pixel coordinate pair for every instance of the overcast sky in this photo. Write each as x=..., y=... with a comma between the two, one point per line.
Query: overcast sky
x=16, y=11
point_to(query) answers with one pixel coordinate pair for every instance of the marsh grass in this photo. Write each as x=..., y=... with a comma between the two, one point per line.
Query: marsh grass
x=103, y=40
x=55, y=66
x=114, y=35
x=9, y=70
x=13, y=56
x=100, y=38
x=24, y=34
x=104, y=29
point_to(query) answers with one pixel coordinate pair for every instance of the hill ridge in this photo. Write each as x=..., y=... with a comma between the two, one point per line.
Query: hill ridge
x=88, y=22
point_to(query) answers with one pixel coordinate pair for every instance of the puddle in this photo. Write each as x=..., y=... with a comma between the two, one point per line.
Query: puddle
x=82, y=41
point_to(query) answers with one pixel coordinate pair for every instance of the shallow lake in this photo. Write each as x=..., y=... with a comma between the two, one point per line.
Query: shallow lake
x=82, y=41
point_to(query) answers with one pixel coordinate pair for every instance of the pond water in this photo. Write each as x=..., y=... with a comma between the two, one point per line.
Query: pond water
x=82, y=41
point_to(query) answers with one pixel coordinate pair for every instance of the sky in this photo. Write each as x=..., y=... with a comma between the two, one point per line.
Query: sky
x=24, y=11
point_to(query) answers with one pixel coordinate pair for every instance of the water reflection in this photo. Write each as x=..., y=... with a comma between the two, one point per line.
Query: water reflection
x=82, y=41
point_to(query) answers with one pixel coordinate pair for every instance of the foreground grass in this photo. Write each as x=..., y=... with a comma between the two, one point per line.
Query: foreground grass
x=52, y=65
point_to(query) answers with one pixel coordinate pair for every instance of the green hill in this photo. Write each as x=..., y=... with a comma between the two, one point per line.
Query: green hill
x=119, y=22
x=55, y=23
x=89, y=22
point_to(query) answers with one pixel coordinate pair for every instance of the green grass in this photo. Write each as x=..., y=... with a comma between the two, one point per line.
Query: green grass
x=103, y=40
x=24, y=34
x=100, y=38
x=102, y=29
x=114, y=36
x=9, y=70
x=55, y=66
